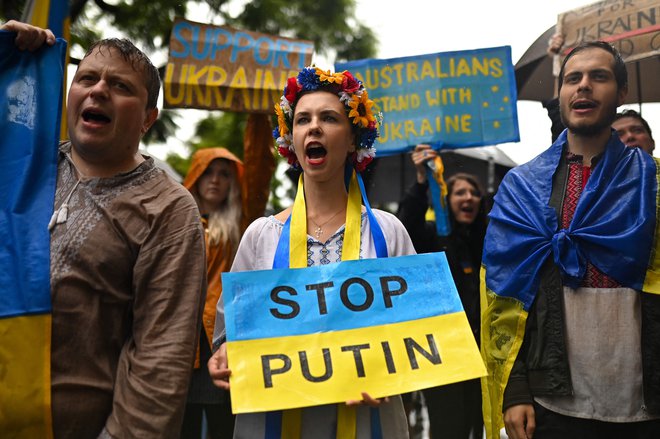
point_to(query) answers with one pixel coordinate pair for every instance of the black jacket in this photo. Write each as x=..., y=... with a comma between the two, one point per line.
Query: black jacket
x=463, y=248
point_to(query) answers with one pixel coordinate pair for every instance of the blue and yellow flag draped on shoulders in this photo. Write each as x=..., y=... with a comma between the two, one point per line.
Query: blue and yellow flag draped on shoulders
x=614, y=228
x=31, y=84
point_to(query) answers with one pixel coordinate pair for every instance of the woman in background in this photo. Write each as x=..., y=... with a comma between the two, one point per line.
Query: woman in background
x=229, y=195
x=454, y=410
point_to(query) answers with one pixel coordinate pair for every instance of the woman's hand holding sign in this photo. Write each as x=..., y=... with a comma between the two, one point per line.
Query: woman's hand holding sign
x=218, y=368
x=368, y=400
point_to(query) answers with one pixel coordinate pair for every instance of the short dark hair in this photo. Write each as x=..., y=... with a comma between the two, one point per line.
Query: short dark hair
x=619, y=67
x=635, y=115
x=138, y=60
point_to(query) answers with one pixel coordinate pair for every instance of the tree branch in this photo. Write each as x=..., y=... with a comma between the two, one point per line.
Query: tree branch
x=75, y=9
x=112, y=9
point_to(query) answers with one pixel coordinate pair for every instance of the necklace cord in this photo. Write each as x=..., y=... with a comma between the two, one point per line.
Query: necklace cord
x=319, y=227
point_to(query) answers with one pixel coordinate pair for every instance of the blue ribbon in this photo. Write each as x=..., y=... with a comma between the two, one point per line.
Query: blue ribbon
x=281, y=260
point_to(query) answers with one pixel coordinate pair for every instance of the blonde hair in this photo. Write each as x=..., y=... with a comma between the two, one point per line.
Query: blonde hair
x=224, y=223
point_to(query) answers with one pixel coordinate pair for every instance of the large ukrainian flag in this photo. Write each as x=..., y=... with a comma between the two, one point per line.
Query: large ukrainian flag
x=31, y=84
x=614, y=228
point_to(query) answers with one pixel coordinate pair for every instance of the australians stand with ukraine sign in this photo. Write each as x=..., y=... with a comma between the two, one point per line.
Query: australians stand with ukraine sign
x=301, y=337
x=31, y=85
x=449, y=99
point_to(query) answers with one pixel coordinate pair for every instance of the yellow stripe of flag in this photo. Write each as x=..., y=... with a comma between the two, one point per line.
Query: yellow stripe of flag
x=25, y=394
x=334, y=367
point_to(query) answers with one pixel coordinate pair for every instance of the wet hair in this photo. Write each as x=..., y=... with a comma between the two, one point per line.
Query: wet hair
x=635, y=115
x=138, y=60
x=619, y=67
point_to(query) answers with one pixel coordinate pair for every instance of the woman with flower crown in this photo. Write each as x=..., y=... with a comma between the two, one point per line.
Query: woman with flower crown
x=326, y=126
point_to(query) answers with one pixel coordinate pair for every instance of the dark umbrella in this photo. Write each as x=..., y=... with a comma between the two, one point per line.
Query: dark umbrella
x=535, y=81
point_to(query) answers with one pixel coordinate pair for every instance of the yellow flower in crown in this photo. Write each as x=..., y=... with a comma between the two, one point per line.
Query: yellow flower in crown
x=361, y=109
x=332, y=78
x=281, y=120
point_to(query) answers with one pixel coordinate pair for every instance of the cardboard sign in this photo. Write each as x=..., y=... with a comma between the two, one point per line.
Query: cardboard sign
x=221, y=68
x=323, y=334
x=450, y=99
x=632, y=26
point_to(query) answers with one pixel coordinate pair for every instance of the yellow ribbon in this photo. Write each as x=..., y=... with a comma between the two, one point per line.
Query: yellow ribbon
x=346, y=415
x=438, y=175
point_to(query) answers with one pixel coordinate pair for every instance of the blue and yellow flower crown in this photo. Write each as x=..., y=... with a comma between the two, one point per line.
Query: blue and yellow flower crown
x=351, y=93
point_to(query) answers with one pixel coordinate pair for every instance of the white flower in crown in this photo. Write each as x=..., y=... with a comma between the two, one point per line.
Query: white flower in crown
x=363, y=153
x=286, y=141
x=344, y=97
x=286, y=106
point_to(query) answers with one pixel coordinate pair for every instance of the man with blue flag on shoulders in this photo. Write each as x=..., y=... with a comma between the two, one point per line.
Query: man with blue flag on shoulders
x=127, y=258
x=571, y=298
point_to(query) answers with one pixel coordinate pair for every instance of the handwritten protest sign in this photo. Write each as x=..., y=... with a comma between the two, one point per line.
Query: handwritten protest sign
x=632, y=26
x=221, y=68
x=451, y=99
x=323, y=334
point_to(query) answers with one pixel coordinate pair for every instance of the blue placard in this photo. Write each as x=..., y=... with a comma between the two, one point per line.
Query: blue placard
x=449, y=99
x=334, y=297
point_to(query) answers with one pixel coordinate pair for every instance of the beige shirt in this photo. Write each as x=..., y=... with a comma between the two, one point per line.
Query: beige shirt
x=127, y=286
x=603, y=342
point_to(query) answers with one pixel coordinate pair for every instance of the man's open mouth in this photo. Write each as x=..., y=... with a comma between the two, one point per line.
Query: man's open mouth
x=95, y=116
x=583, y=105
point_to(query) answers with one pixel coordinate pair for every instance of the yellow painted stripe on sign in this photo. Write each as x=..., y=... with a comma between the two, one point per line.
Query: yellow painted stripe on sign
x=25, y=377
x=330, y=367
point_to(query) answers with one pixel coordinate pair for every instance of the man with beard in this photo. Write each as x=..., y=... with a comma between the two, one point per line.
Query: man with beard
x=571, y=334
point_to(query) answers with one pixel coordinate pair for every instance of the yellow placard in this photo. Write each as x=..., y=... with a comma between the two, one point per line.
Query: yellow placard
x=222, y=68
x=331, y=367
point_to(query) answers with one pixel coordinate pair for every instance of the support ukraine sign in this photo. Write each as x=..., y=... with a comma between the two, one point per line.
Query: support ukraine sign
x=222, y=68
x=449, y=99
x=323, y=334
